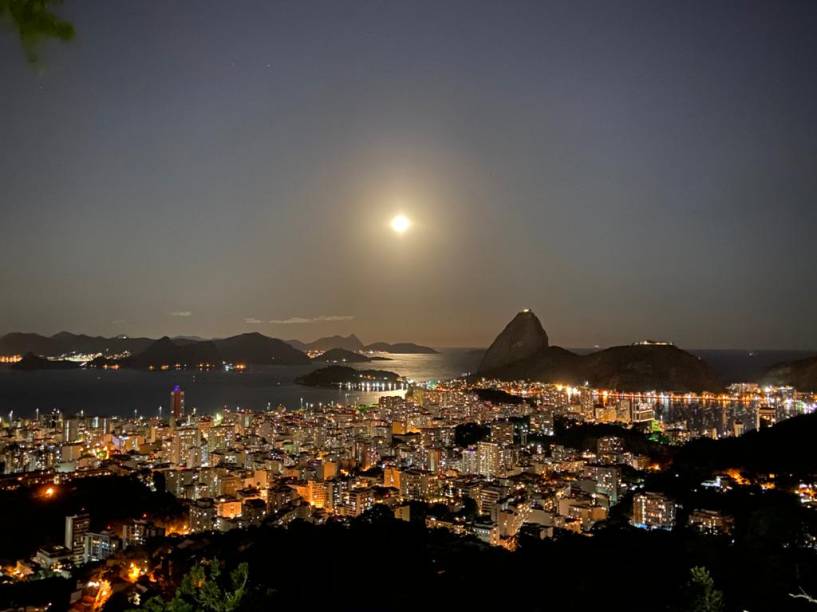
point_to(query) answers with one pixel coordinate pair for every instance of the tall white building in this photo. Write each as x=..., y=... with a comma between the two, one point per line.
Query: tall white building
x=76, y=526
x=488, y=458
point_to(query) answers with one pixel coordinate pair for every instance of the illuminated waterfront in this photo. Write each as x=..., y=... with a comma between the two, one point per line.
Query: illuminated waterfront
x=123, y=391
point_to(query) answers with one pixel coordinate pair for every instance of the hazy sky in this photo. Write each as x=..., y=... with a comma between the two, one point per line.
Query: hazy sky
x=626, y=169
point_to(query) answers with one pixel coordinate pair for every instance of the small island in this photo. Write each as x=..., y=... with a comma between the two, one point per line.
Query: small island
x=333, y=376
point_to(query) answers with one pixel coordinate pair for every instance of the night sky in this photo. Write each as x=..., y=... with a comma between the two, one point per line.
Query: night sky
x=627, y=169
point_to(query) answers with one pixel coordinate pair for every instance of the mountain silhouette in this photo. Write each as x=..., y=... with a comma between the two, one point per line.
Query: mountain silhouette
x=800, y=374
x=521, y=339
x=255, y=348
x=521, y=352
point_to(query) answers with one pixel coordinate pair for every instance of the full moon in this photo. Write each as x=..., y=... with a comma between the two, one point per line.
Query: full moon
x=400, y=224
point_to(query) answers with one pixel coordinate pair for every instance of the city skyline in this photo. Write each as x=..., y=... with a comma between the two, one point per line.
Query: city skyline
x=472, y=464
x=631, y=171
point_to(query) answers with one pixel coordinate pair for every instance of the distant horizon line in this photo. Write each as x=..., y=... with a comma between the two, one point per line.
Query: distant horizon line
x=432, y=345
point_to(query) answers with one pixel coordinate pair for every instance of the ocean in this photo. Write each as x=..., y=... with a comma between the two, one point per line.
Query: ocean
x=121, y=392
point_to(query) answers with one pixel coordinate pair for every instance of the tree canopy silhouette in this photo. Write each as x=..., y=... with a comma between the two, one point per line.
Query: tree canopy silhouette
x=35, y=21
x=205, y=589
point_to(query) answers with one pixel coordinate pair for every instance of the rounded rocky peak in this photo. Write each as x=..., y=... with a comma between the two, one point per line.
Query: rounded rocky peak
x=526, y=322
x=523, y=337
x=526, y=314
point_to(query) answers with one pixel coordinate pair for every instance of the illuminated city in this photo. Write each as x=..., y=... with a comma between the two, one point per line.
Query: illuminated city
x=408, y=305
x=491, y=465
